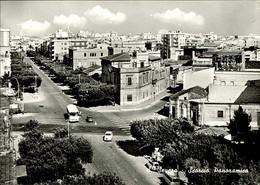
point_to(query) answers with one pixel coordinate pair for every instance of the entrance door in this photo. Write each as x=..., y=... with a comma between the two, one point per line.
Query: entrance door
x=194, y=117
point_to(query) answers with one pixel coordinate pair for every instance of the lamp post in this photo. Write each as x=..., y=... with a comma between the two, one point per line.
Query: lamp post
x=68, y=128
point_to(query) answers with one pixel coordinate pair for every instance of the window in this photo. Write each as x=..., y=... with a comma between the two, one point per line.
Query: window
x=92, y=54
x=220, y=114
x=142, y=64
x=129, y=81
x=134, y=64
x=65, y=43
x=85, y=54
x=129, y=97
x=101, y=54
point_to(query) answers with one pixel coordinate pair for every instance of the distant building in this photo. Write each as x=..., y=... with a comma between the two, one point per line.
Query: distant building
x=160, y=34
x=147, y=36
x=5, y=59
x=60, y=47
x=88, y=57
x=172, y=40
x=140, y=76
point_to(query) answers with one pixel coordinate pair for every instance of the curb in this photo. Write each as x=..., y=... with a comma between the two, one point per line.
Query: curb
x=125, y=109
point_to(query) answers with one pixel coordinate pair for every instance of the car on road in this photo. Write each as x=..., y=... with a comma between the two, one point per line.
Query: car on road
x=89, y=119
x=9, y=92
x=108, y=136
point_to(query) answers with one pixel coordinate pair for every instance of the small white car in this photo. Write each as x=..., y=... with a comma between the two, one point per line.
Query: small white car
x=108, y=136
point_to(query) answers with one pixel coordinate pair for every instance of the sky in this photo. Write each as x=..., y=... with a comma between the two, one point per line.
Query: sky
x=38, y=18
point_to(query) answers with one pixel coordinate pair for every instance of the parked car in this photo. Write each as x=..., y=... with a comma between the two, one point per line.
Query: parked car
x=174, y=177
x=89, y=119
x=153, y=165
x=108, y=136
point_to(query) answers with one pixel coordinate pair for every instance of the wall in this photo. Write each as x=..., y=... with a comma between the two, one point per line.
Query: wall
x=236, y=77
x=199, y=78
x=210, y=113
x=85, y=58
x=60, y=48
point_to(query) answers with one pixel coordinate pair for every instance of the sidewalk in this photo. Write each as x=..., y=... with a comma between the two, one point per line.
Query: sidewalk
x=119, y=108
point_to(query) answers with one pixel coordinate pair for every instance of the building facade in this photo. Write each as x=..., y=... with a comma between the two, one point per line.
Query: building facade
x=140, y=76
x=89, y=56
x=170, y=40
x=5, y=58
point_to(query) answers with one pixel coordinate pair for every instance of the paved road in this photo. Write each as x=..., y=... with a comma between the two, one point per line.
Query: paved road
x=51, y=110
x=107, y=156
x=131, y=169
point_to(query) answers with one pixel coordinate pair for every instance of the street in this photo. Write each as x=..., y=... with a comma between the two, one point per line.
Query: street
x=48, y=107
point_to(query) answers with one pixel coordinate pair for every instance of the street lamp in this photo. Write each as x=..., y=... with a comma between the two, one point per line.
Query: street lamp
x=68, y=128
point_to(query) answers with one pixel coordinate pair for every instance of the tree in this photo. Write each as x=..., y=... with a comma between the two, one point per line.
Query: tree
x=240, y=124
x=96, y=179
x=159, y=132
x=61, y=133
x=49, y=159
x=31, y=124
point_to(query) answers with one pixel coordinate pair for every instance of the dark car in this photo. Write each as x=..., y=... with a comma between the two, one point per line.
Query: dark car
x=89, y=119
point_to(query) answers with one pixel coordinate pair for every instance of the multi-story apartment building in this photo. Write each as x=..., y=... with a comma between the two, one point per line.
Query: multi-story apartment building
x=140, y=76
x=5, y=60
x=172, y=41
x=88, y=56
x=60, y=47
x=160, y=34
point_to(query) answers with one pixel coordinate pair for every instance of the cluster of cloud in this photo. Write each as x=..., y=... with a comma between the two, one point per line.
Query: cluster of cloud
x=176, y=16
x=103, y=15
x=97, y=14
x=32, y=27
x=71, y=20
